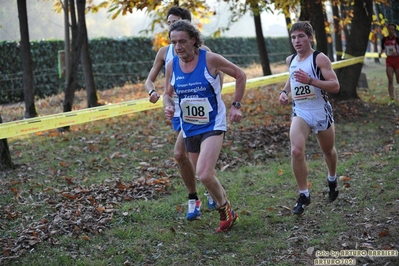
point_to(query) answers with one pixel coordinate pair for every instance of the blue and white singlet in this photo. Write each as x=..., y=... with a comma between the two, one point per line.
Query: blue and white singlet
x=200, y=101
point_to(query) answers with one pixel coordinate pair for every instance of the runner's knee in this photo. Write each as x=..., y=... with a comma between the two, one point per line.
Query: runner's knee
x=180, y=155
x=297, y=153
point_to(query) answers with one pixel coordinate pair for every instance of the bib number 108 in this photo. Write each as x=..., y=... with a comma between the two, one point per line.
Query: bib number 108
x=193, y=110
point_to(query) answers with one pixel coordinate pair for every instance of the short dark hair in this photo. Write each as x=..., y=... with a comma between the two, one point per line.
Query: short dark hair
x=302, y=26
x=183, y=13
x=187, y=26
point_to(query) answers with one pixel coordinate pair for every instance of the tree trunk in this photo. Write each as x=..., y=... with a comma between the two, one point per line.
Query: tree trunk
x=67, y=44
x=312, y=11
x=337, y=32
x=91, y=91
x=305, y=14
x=289, y=23
x=317, y=22
x=5, y=156
x=356, y=46
x=74, y=62
x=77, y=41
x=260, y=41
x=329, y=41
x=27, y=62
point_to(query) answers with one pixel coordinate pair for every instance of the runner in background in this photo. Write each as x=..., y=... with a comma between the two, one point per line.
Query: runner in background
x=390, y=46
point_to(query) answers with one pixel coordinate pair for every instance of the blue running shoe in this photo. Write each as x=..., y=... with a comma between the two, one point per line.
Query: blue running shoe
x=211, y=203
x=194, y=211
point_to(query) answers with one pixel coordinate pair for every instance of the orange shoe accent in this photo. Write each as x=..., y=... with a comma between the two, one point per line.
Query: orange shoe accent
x=227, y=218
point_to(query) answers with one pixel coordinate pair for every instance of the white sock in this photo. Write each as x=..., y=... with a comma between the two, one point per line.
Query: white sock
x=305, y=192
x=331, y=178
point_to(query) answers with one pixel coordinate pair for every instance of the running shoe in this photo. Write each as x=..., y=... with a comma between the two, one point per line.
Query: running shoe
x=227, y=218
x=301, y=203
x=211, y=203
x=332, y=190
x=194, y=211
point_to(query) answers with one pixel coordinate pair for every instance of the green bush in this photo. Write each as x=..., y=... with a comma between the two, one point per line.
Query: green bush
x=115, y=62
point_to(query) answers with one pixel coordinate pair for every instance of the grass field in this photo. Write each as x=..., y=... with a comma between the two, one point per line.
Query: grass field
x=109, y=192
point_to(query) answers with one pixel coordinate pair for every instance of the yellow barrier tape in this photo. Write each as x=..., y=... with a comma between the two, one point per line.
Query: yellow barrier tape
x=375, y=55
x=348, y=62
x=33, y=125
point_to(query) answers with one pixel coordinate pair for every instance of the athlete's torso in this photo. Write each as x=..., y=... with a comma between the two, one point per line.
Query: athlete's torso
x=305, y=96
x=199, y=93
x=390, y=45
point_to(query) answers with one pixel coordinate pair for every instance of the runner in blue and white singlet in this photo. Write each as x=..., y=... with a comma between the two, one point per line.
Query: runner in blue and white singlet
x=194, y=76
x=201, y=106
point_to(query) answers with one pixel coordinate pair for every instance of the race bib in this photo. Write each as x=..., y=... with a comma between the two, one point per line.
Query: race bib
x=390, y=49
x=303, y=92
x=195, y=110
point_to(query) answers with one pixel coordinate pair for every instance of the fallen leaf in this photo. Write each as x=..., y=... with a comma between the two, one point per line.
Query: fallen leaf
x=65, y=164
x=383, y=233
x=344, y=178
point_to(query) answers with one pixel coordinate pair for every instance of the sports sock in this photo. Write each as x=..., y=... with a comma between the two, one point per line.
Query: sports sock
x=193, y=196
x=332, y=178
x=305, y=192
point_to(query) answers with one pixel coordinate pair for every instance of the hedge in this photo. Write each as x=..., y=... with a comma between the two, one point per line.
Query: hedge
x=115, y=62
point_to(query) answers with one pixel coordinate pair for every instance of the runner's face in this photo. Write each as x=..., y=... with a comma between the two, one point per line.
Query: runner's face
x=301, y=41
x=172, y=18
x=184, y=46
x=391, y=30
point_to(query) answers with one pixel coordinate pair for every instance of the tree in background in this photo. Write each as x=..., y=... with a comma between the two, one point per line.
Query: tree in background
x=76, y=46
x=5, y=156
x=79, y=54
x=358, y=38
x=156, y=10
x=27, y=62
x=91, y=90
x=256, y=8
x=286, y=11
x=238, y=9
x=312, y=11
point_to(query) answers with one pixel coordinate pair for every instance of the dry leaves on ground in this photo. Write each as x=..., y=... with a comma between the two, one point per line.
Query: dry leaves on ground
x=77, y=212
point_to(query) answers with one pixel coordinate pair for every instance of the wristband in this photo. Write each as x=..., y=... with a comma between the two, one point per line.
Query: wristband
x=284, y=92
x=310, y=81
x=151, y=92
